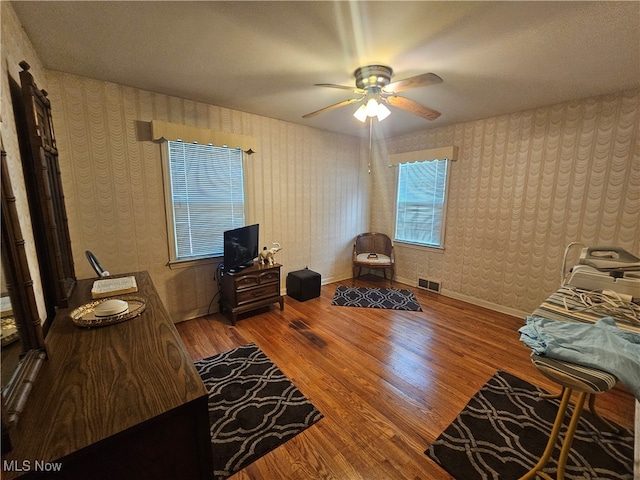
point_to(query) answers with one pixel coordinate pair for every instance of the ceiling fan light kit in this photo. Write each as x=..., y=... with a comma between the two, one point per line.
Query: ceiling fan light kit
x=371, y=109
x=383, y=112
x=373, y=84
x=361, y=113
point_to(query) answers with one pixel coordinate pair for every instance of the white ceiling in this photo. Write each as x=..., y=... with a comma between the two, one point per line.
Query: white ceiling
x=264, y=57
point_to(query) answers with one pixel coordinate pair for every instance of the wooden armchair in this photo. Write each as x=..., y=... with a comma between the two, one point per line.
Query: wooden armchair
x=373, y=251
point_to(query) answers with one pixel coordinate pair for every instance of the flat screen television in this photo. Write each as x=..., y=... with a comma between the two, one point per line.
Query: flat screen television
x=240, y=247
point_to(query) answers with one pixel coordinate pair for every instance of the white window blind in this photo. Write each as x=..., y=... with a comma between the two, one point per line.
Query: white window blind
x=420, y=205
x=207, y=197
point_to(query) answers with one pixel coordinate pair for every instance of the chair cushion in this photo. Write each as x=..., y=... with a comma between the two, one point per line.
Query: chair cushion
x=380, y=259
x=576, y=377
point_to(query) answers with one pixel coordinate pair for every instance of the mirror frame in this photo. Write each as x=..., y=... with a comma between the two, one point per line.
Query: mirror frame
x=45, y=195
x=52, y=242
x=23, y=301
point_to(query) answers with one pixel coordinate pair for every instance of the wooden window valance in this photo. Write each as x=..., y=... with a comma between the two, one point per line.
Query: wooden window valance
x=440, y=153
x=204, y=136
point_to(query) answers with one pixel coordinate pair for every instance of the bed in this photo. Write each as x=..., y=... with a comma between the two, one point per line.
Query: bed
x=572, y=304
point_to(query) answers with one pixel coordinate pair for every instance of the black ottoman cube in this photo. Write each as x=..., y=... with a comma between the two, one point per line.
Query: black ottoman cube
x=303, y=284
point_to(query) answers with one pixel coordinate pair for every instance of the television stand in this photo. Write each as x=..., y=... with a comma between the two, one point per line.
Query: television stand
x=249, y=289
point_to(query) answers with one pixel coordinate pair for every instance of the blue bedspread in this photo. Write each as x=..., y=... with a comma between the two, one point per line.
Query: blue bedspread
x=601, y=345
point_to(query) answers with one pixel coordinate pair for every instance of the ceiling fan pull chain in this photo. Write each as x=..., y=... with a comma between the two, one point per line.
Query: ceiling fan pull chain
x=370, y=141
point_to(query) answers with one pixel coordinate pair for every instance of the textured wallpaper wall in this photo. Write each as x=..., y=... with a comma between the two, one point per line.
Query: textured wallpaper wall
x=525, y=185
x=308, y=189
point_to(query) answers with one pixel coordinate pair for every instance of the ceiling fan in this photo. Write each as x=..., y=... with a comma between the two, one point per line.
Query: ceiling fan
x=375, y=90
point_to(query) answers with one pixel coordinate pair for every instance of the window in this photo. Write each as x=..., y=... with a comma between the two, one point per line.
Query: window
x=205, y=197
x=420, y=206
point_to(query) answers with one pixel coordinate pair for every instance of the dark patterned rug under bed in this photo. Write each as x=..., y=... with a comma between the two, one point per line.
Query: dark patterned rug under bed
x=253, y=408
x=504, y=429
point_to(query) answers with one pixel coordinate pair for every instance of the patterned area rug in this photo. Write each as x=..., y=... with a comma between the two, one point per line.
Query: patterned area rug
x=253, y=407
x=376, y=298
x=503, y=430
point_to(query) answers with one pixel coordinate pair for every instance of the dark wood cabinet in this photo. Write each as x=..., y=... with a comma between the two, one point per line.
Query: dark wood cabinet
x=249, y=289
x=121, y=401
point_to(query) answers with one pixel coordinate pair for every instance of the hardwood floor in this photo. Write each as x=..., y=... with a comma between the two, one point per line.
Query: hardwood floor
x=388, y=382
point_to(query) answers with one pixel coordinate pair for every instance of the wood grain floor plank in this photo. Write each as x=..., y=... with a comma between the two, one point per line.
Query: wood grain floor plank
x=388, y=382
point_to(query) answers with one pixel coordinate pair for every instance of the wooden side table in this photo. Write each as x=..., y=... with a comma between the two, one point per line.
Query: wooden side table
x=249, y=289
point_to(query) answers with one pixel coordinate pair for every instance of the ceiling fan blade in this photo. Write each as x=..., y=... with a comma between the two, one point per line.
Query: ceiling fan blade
x=412, y=107
x=413, y=82
x=342, y=87
x=331, y=107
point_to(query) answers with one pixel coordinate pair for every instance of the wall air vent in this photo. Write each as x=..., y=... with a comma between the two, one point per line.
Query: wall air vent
x=429, y=285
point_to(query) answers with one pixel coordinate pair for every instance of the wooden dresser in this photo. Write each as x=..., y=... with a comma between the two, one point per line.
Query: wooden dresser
x=249, y=289
x=117, y=402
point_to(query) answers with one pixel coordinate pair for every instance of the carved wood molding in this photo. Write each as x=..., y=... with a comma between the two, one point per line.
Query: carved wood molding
x=22, y=384
x=14, y=260
x=23, y=302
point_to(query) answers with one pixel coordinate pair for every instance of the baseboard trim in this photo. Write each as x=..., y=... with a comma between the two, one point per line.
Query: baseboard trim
x=514, y=312
x=195, y=314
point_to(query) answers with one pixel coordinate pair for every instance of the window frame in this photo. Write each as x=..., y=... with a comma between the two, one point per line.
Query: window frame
x=415, y=244
x=174, y=260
